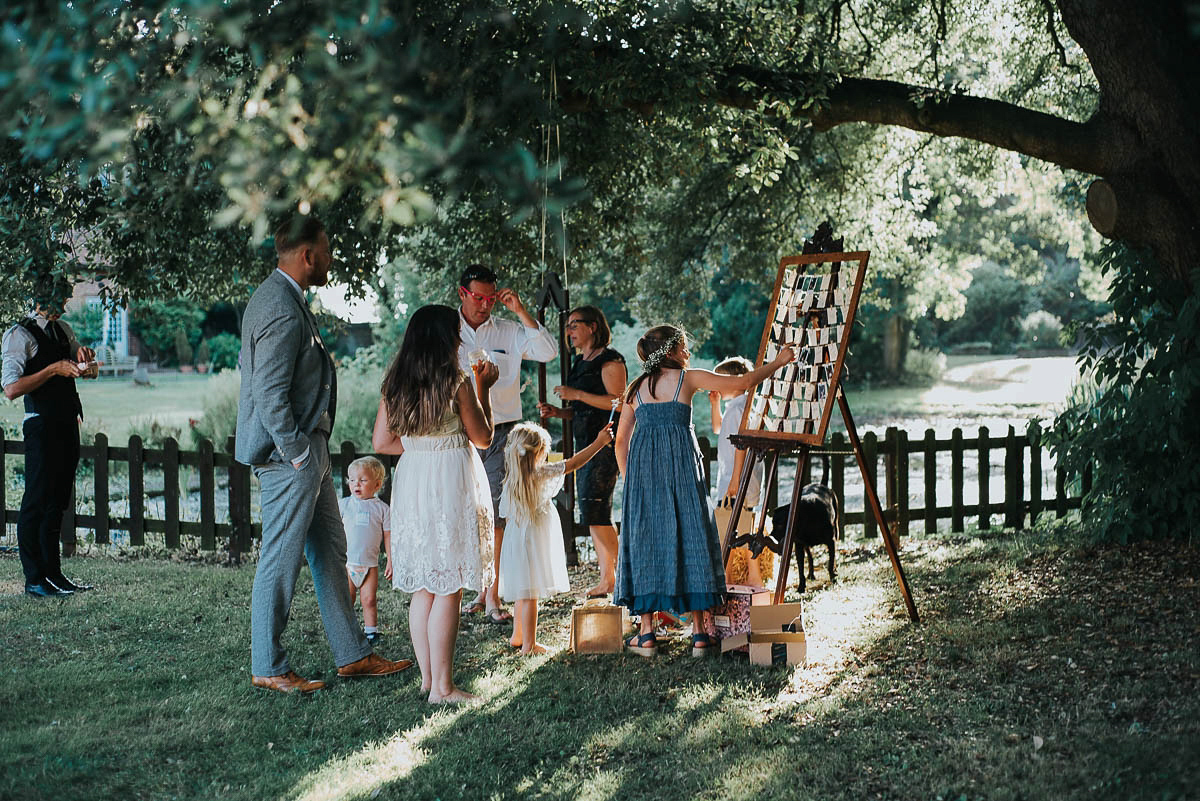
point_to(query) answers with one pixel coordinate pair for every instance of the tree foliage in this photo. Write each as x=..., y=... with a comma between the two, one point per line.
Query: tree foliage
x=154, y=143
x=159, y=324
x=170, y=136
x=1136, y=436
x=705, y=132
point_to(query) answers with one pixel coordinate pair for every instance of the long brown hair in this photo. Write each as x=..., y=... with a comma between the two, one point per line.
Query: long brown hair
x=656, y=349
x=421, y=381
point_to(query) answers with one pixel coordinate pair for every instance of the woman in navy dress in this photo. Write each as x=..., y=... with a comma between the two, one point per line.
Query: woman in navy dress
x=594, y=385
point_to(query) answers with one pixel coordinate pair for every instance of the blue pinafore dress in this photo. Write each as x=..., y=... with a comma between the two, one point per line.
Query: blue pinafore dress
x=669, y=556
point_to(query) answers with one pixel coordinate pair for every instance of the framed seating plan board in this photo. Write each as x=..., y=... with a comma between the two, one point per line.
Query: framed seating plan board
x=812, y=310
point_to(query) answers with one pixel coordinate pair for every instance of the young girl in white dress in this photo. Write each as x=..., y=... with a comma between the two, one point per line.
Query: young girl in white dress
x=432, y=413
x=533, y=562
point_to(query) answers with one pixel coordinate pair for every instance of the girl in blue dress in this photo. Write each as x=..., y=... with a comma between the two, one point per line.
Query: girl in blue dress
x=669, y=557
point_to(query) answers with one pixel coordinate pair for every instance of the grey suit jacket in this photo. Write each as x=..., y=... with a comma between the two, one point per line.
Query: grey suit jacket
x=287, y=376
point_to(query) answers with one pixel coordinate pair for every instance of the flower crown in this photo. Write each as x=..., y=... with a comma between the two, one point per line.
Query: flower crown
x=651, y=362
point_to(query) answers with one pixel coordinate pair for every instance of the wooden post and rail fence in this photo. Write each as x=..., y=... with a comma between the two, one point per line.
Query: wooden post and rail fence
x=121, y=505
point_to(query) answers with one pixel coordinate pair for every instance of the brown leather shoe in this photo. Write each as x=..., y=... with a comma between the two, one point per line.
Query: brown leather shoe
x=373, y=665
x=287, y=683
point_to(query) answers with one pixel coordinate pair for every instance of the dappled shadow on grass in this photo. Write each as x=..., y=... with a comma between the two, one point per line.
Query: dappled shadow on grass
x=1044, y=669
x=1028, y=679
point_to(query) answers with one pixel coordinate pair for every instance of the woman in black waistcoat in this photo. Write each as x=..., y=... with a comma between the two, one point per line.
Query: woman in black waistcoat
x=596, y=382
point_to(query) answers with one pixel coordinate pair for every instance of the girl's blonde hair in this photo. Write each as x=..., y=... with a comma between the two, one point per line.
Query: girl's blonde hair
x=369, y=465
x=526, y=441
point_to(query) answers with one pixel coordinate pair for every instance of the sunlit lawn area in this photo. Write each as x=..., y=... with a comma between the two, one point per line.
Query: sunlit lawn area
x=1044, y=669
x=112, y=404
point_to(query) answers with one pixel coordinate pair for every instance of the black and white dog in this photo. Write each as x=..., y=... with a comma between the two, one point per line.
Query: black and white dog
x=816, y=524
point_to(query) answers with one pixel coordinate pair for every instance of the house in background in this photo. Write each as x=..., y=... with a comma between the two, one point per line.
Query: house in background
x=116, y=348
x=115, y=328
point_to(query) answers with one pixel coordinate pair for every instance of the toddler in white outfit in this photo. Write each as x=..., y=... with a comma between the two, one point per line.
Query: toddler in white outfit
x=741, y=567
x=368, y=524
x=533, y=561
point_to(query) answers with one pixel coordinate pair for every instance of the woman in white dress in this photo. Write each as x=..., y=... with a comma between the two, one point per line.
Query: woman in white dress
x=435, y=415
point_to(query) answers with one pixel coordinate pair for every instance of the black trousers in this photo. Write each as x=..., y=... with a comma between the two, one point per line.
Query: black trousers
x=51, y=457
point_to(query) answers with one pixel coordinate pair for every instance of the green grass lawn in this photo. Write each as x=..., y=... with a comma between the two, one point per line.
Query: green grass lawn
x=1045, y=668
x=114, y=405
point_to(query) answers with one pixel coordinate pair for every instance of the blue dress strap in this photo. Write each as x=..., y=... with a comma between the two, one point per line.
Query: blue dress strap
x=679, y=386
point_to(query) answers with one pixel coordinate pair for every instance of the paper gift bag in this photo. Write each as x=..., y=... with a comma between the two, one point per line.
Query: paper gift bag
x=733, y=617
x=598, y=628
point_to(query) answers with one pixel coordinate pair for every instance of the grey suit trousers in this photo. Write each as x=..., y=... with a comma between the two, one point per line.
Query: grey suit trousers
x=301, y=520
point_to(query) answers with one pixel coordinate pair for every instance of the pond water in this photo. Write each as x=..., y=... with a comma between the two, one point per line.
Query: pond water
x=975, y=391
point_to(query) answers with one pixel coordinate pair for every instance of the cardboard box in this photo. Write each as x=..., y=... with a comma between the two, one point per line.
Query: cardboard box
x=598, y=627
x=733, y=617
x=776, y=636
x=792, y=651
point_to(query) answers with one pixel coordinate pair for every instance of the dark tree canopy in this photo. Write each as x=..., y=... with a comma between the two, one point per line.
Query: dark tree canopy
x=166, y=138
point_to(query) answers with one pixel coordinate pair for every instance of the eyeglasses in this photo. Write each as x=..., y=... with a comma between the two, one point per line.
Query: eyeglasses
x=481, y=298
x=573, y=324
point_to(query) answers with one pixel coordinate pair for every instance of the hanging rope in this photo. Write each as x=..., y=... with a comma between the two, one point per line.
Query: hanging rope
x=546, y=141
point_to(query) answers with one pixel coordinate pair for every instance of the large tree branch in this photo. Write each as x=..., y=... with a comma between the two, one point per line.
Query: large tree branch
x=1090, y=146
x=1098, y=146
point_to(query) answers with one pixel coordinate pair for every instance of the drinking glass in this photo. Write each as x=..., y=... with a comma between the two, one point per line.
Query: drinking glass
x=477, y=357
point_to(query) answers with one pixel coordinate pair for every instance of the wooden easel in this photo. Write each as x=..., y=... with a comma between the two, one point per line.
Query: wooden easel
x=768, y=452
x=769, y=446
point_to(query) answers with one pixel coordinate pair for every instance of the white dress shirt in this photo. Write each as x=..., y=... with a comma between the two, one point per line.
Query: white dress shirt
x=19, y=347
x=731, y=420
x=507, y=343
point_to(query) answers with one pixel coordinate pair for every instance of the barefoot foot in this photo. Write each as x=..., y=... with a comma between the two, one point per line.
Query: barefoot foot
x=455, y=696
x=536, y=648
x=515, y=642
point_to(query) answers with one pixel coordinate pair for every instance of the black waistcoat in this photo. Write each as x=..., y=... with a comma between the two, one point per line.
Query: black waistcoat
x=57, y=398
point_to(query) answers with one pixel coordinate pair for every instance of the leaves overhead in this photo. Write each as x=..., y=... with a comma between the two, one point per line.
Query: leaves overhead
x=696, y=128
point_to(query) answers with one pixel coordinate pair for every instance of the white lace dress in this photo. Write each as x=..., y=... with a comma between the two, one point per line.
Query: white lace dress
x=533, y=562
x=441, y=513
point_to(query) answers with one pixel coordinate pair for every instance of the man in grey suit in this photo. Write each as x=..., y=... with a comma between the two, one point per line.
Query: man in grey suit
x=285, y=415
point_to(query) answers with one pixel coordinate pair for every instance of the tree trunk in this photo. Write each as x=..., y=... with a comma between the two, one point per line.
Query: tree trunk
x=1145, y=61
x=895, y=344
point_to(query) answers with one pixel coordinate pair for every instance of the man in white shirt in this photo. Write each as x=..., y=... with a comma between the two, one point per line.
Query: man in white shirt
x=507, y=343
x=42, y=359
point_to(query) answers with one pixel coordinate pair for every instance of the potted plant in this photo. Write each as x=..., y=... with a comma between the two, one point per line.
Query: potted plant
x=183, y=351
x=203, y=356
